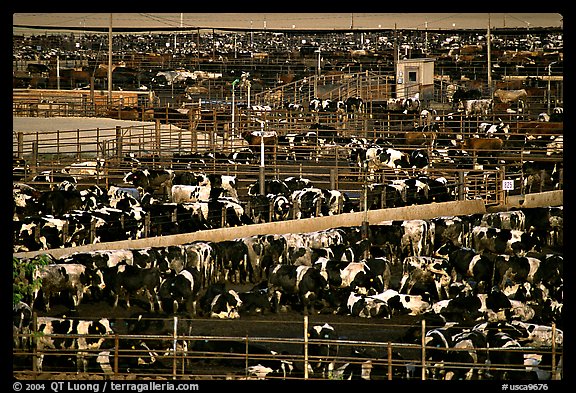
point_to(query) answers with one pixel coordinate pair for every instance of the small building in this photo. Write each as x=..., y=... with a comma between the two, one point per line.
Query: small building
x=415, y=76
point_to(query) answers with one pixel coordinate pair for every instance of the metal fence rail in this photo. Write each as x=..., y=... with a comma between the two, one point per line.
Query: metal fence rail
x=187, y=356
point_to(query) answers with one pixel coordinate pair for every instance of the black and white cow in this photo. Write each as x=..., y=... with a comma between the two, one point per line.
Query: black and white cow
x=25, y=200
x=271, y=186
x=21, y=324
x=225, y=305
x=307, y=202
x=270, y=208
x=403, y=304
x=151, y=180
x=184, y=193
x=304, y=282
x=321, y=353
x=180, y=291
x=92, y=335
x=426, y=276
x=505, y=241
x=366, y=306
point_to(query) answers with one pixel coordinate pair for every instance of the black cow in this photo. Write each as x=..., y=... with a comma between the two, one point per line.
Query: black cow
x=126, y=281
x=232, y=261
x=354, y=104
x=505, y=241
x=58, y=202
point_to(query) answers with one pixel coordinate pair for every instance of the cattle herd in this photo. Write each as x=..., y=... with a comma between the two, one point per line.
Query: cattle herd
x=495, y=276
x=477, y=283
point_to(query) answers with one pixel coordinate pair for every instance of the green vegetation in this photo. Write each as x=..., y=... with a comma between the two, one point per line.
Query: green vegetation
x=23, y=282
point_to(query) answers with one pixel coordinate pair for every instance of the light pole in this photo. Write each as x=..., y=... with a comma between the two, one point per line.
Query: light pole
x=317, y=74
x=233, y=106
x=549, y=77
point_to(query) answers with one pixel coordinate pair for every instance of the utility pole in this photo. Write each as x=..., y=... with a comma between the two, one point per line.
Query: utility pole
x=488, y=39
x=110, y=62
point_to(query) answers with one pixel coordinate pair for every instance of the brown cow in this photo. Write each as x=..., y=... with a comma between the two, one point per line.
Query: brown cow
x=255, y=139
x=508, y=96
x=482, y=144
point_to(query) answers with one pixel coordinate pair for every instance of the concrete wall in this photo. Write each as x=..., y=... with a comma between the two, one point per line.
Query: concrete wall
x=549, y=198
x=291, y=226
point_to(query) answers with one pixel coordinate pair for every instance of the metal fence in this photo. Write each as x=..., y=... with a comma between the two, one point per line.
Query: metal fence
x=214, y=137
x=190, y=356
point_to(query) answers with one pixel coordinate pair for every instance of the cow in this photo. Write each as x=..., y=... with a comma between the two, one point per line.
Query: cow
x=271, y=186
x=378, y=158
x=490, y=130
x=519, y=96
x=232, y=261
x=54, y=331
x=403, y=304
x=505, y=241
x=513, y=220
x=307, y=202
x=226, y=305
x=180, y=291
x=321, y=353
x=297, y=183
x=25, y=200
x=51, y=177
x=270, y=207
x=366, y=306
x=304, y=282
x=183, y=193
x=201, y=256
x=58, y=202
x=254, y=301
x=21, y=324
x=354, y=276
x=458, y=347
x=462, y=94
x=57, y=279
x=126, y=281
x=354, y=104
x=481, y=107
x=81, y=170
x=426, y=276
x=257, y=139
x=151, y=180
x=383, y=195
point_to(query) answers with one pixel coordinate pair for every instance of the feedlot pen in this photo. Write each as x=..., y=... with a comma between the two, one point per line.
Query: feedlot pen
x=208, y=146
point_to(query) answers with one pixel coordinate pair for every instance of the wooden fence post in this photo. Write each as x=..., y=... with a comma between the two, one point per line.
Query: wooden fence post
x=305, y=346
x=423, y=332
